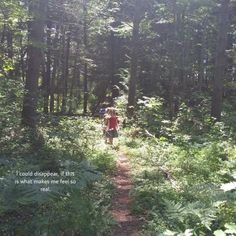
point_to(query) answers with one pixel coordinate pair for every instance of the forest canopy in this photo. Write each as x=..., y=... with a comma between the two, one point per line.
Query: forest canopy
x=70, y=55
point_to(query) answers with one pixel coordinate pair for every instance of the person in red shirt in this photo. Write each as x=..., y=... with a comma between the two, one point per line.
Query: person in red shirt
x=112, y=124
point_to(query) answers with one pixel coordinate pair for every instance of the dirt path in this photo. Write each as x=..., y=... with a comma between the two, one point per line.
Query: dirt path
x=127, y=223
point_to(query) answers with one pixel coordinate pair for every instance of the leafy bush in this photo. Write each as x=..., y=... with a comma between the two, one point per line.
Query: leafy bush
x=11, y=93
x=150, y=114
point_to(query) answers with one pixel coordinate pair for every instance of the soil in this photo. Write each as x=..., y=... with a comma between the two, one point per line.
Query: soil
x=127, y=224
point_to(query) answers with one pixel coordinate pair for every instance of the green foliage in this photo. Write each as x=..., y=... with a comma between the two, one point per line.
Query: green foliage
x=120, y=104
x=124, y=30
x=104, y=161
x=150, y=114
x=178, y=178
x=230, y=230
x=179, y=165
x=72, y=144
x=12, y=14
x=11, y=93
x=67, y=211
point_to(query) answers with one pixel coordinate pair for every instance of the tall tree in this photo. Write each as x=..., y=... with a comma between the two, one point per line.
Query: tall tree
x=34, y=54
x=65, y=73
x=85, y=39
x=134, y=62
x=139, y=9
x=220, y=61
x=55, y=68
x=47, y=74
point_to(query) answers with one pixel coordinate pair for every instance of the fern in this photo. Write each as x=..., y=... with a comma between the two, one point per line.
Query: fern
x=184, y=214
x=175, y=211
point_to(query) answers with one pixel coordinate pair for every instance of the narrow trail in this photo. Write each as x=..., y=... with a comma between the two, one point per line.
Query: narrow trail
x=127, y=223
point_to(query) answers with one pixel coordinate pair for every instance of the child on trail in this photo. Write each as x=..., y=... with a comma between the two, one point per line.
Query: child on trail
x=112, y=125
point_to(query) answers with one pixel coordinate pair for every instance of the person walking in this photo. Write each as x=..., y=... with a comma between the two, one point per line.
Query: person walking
x=112, y=124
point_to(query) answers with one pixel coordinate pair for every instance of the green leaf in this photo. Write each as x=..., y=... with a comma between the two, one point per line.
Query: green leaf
x=228, y=187
x=188, y=232
x=169, y=233
x=230, y=228
x=219, y=233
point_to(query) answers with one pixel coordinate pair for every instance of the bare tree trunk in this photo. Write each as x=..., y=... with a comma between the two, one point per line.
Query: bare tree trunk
x=47, y=77
x=66, y=74
x=112, y=78
x=133, y=64
x=54, y=70
x=10, y=49
x=73, y=78
x=220, y=62
x=85, y=26
x=200, y=60
x=36, y=31
x=78, y=84
x=59, y=72
x=3, y=34
x=22, y=61
x=173, y=41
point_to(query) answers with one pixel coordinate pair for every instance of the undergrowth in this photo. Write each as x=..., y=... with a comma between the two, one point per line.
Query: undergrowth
x=183, y=172
x=62, y=144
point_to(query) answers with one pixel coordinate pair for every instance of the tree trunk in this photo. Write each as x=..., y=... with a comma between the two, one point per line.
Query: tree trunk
x=36, y=31
x=85, y=63
x=133, y=64
x=10, y=50
x=74, y=78
x=199, y=52
x=112, y=59
x=220, y=62
x=22, y=60
x=173, y=71
x=54, y=70
x=3, y=35
x=66, y=74
x=47, y=77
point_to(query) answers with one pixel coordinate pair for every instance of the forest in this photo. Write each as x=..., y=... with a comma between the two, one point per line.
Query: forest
x=168, y=67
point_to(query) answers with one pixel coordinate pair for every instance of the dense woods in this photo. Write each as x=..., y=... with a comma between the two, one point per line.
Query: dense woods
x=82, y=49
x=169, y=67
